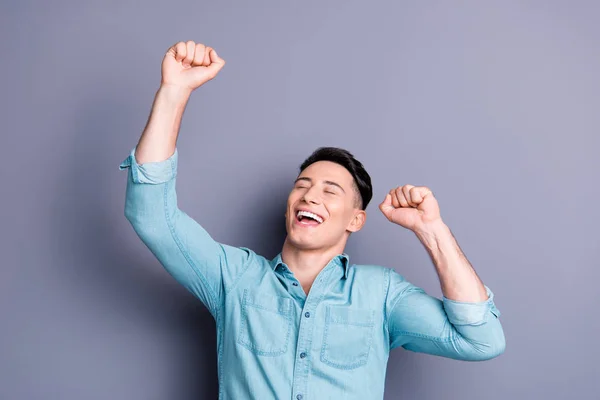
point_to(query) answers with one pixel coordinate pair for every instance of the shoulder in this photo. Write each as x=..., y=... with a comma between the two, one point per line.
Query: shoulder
x=373, y=271
x=381, y=278
x=372, y=276
x=370, y=270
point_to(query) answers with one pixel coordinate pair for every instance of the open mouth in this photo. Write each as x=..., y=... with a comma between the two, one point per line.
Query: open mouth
x=308, y=218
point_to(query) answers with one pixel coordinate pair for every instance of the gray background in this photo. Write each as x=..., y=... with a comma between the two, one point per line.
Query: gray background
x=494, y=105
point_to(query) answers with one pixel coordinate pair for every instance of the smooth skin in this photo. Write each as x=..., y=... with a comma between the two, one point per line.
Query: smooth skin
x=307, y=250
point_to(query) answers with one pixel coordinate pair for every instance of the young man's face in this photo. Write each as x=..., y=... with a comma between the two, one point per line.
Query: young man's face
x=327, y=191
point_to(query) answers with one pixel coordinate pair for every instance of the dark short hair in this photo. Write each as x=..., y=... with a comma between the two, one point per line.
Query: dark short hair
x=344, y=158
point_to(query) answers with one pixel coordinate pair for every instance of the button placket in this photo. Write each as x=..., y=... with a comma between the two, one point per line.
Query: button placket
x=306, y=329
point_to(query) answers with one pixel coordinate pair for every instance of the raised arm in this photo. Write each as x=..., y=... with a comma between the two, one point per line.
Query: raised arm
x=416, y=321
x=464, y=324
x=185, y=67
x=205, y=267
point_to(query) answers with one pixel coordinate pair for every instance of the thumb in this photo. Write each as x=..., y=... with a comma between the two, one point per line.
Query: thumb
x=386, y=206
x=216, y=62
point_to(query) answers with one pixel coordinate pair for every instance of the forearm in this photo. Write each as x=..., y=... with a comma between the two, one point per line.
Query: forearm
x=158, y=141
x=458, y=279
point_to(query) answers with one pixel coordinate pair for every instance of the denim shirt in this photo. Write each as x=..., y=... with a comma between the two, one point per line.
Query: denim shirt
x=276, y=342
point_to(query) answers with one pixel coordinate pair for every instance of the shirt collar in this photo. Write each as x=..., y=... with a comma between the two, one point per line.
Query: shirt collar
x=341, y=259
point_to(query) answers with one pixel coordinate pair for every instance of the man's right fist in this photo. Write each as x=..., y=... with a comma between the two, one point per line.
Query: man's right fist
x=189, y=65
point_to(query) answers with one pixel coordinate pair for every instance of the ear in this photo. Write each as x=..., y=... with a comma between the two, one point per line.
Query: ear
x=358, y=221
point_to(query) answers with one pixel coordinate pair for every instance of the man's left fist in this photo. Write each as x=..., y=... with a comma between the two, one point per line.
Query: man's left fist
x=412, y=207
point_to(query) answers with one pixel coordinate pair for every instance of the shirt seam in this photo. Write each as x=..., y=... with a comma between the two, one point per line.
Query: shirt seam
x=386, y=285
x=408, y=333
x=221, y=344
x=401, y=294
x=185, y=253
x=237, y=279
x=428, y=337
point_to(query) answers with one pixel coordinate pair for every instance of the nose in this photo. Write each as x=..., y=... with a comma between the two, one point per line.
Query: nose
x=311, y=196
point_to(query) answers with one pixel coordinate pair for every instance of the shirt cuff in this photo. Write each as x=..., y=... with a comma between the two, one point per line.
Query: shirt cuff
x=151, y=172
x=470, y=313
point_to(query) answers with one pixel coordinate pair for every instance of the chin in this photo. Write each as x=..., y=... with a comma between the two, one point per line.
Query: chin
x=304, y=243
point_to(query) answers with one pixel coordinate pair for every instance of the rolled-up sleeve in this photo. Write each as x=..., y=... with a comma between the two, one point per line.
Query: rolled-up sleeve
x=152, y=172
x=207, y=268
x=466, y=313
x=416, y=321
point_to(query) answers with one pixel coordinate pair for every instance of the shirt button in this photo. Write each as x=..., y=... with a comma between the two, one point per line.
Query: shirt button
x=307, y=314
x=295, y=283
x=302, y=355
x=299, y=397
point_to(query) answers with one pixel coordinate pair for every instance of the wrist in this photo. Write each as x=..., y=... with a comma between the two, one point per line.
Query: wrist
x=431, y=230
x=174, y=93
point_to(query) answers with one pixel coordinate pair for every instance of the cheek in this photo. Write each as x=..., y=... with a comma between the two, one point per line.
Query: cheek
x=291, y=199
x=290, y=202
x=342, y=211
x=336, y=210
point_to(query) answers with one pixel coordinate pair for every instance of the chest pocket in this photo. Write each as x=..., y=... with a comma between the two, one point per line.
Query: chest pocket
x=266, y=323
x=347, y=338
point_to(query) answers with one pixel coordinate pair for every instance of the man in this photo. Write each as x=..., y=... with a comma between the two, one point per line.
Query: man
x=307, y=324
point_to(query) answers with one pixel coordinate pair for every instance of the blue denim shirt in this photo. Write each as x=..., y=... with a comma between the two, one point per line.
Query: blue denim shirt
x=276, y=342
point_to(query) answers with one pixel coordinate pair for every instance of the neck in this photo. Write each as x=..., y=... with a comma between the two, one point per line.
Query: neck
x=306, y=264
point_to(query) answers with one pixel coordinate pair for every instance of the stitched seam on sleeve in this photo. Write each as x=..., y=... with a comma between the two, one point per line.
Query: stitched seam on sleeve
x=185, y=253
x=172, y=162
x=386, y=286
x=134, y=172
x=239, y=275
x=401, y=295
x=478, y=322
x=418, y=335
x=461, y=321
x=428, y=337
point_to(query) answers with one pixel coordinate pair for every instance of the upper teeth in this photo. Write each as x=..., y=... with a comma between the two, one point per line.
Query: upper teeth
x=310, y=215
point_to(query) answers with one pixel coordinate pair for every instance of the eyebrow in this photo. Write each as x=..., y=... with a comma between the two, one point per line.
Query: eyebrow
x=331, y=183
